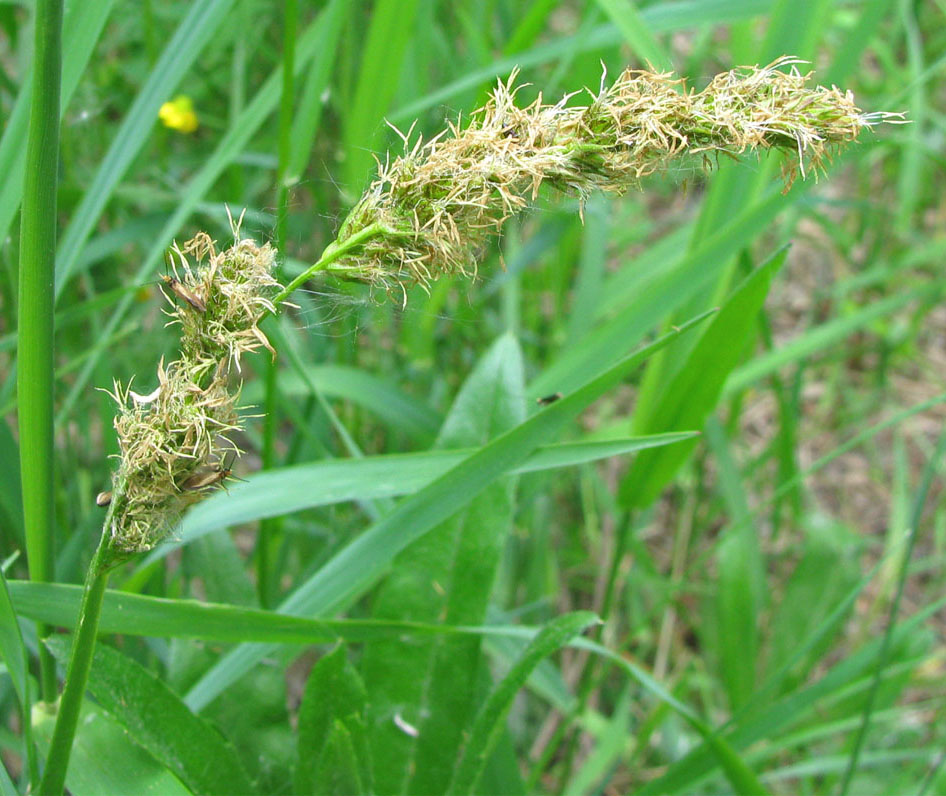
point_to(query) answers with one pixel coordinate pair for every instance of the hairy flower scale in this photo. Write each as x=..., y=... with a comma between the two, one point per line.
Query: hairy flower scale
x=435, y=206
x=173, y=438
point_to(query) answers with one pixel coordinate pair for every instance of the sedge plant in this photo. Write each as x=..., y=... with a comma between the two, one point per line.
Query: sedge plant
x=429, y=213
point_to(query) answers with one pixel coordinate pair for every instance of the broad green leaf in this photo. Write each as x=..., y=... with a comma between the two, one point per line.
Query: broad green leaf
x=740, y=580
x=156, y=719
x=351, y=572
x=491, y=719
x=331, y=727
x=692, y=394
x=284, y=490
x=104, y=760
x=446, y=575
x=82, y=26
x=194, y=32
x=340, y=767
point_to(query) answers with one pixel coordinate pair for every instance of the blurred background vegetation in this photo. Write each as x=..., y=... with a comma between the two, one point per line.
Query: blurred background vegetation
x=751, y=577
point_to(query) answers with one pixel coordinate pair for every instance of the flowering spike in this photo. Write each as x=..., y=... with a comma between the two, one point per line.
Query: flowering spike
x=437, y=204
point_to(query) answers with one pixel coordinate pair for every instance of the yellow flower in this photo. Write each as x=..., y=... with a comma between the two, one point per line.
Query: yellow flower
x=178, y=114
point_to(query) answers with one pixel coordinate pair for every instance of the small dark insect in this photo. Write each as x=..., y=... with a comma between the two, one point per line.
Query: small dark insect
x=209, y=478
x=186, y=294
x=549, y=399
x=103, y=498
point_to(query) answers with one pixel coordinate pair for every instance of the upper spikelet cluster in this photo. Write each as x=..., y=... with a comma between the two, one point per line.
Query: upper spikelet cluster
x=435, y=206
x=173, y=441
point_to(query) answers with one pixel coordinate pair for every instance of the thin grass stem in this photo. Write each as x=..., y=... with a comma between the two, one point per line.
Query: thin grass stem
x=270, y=527
x=333, y=252
x=35, y=382
x=80, y=663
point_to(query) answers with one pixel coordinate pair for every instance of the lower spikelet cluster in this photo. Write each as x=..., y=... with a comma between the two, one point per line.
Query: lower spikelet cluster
x=174, y=441
x=434, y=207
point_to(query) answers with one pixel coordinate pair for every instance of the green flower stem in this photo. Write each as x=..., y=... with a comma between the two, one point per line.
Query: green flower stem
x=269, y=528
x=35, y=379
x=334, y=251
x=80, y=663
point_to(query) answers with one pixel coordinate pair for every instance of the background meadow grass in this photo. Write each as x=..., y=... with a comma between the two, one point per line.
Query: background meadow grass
x=778, y=579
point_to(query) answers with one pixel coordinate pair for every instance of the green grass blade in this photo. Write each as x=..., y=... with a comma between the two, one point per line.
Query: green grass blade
x=692, y=394
x=289, y=489
x=308, y=116
x=11, y=497
x=439, y=680
x=742, y=778
x=334, y=694
x=666, y=292
x=357, y=567
x=17, y=661
x=105, y=760
x=386, y=45
x=740, y=581
x=159, y=722
x=389, y=402
x=659, y=18
x=140, y=615
x=490, y=722
x=791, y=708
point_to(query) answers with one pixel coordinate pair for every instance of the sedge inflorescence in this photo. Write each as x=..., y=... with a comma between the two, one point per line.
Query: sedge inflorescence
x=173, y=441
x=435, y=206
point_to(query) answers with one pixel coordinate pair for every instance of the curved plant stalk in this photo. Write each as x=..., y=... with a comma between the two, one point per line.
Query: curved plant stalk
x=429, y=213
